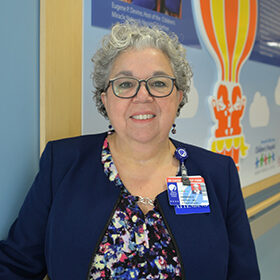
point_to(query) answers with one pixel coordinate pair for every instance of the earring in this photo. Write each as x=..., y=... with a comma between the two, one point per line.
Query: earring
x=173, y=130
x=111, y=130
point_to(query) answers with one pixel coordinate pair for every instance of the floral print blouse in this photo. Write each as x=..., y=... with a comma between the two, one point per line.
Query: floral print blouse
x=134, y=246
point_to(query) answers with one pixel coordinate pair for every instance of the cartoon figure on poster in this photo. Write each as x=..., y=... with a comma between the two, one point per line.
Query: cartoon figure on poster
x=228, y=29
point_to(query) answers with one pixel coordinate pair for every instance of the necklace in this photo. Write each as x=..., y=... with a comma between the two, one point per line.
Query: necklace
x=145, y=200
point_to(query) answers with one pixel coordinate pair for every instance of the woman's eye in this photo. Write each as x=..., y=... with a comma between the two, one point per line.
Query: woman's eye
x=126, y=84
x=158, y=84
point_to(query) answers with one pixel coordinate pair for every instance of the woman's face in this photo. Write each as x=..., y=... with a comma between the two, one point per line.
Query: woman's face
x=142, y=118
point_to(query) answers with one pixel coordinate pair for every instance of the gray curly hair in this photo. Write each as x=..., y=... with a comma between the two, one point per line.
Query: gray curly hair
x=133, y=35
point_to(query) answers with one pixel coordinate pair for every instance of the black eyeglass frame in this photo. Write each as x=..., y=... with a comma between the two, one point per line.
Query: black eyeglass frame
x=139, y=85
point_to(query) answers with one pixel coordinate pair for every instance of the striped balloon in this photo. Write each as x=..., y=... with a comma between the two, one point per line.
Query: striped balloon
x=228, y=29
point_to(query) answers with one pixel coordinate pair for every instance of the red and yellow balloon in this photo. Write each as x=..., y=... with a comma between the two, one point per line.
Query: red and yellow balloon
x=228, y=29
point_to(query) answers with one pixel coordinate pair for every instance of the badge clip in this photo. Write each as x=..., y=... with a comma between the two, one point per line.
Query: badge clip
x=181, y=154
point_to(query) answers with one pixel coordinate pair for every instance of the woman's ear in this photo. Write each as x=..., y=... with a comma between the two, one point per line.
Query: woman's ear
x=180, y=96
x=104, y=99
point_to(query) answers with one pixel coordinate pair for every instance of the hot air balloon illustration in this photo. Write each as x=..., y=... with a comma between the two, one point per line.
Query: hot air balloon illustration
x=228, y=29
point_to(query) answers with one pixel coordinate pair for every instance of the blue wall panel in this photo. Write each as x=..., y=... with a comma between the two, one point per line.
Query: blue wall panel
x=19, y=104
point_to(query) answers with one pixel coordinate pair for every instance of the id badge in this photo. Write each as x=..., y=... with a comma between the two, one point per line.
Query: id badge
x=188, y=199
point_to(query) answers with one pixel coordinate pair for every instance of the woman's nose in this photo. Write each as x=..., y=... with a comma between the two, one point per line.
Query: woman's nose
x=143, y=93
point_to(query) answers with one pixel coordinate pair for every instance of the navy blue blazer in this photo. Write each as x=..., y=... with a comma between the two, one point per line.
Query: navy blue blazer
x=71, y=201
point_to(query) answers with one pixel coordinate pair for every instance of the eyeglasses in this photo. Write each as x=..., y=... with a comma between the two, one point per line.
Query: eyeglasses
x=128, y=87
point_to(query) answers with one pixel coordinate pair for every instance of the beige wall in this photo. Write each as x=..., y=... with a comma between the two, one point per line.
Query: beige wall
x=60, y=69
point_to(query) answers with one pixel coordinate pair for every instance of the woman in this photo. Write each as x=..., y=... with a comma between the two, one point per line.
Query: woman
x=99, y=209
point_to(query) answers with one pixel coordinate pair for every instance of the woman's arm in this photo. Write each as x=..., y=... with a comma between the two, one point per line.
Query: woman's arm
x=22, y=254
x=242, y=257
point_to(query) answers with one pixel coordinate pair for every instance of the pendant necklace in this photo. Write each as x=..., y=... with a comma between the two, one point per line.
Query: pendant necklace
x=145, y=200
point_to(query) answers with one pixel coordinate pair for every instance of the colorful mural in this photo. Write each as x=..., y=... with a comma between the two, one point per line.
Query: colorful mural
x=228, y=29
x=234, y=100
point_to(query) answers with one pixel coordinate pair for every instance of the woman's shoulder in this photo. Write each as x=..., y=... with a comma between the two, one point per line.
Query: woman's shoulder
x=198, y=152
x=206, y=161
x=67, y=148
x=79, y=142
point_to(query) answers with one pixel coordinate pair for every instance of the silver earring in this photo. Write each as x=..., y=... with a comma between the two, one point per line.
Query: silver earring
x=173, y=130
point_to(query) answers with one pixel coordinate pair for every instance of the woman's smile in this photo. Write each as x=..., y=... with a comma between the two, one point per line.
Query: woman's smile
x=143, y=117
